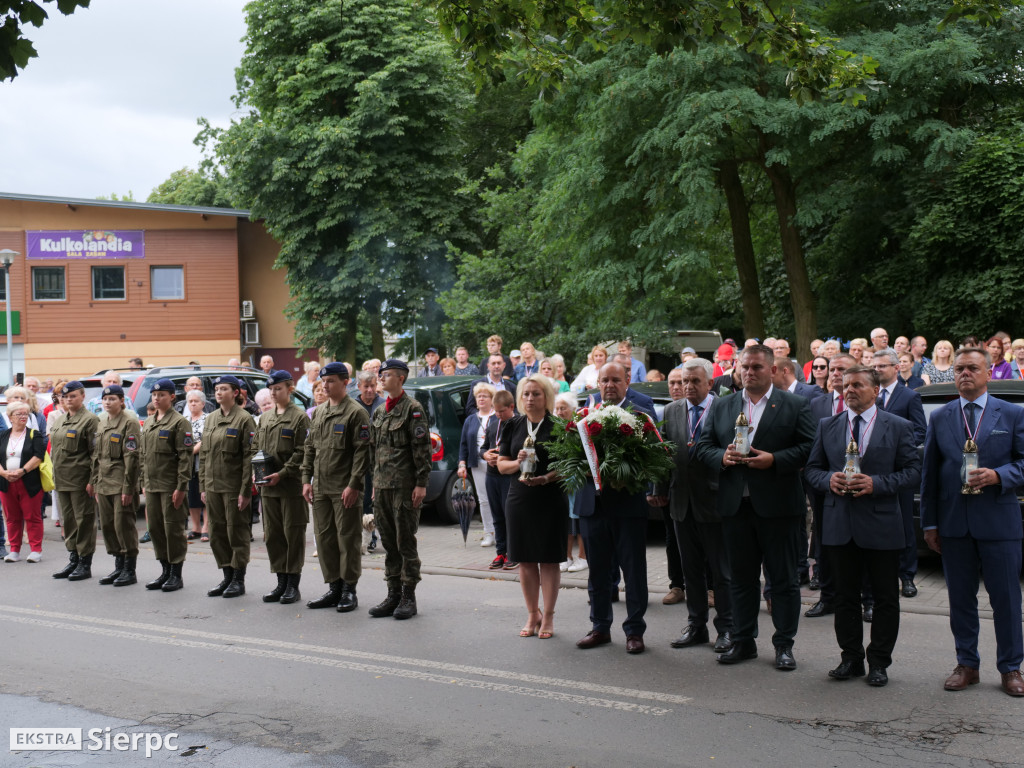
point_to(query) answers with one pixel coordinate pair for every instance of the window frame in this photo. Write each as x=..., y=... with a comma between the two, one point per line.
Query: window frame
x=64, y=278
x=92, y=281
x=184, y=291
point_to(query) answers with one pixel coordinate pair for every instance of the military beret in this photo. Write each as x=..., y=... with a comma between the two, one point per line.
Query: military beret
x=162, y=385
x=393, y=364
x=113, y=389
x=276, y=377
x=231, y=381
x=335, y=369
x=73, y=386
x=431, y=349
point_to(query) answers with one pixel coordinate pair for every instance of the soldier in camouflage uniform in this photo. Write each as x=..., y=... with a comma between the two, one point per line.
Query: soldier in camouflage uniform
x=166, y=456
x=225, y=480
x=333, y=471
x=281, y=435
x=400, y=440
x=71, y=440
x=115, y=474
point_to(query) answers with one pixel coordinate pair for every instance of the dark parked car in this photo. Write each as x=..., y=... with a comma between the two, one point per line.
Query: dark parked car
x=254, y=379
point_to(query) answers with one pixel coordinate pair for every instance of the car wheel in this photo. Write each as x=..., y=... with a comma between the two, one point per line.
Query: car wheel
x=446, y=511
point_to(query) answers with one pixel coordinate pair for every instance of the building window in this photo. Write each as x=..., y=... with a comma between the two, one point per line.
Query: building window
x=48, y=284
x=108, y=283
x=167, y=283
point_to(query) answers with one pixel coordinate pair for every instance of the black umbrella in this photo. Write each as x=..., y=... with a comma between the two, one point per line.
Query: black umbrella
x=465, y=504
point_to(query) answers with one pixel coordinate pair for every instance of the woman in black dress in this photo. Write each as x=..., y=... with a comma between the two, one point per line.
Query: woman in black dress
x=537, y=510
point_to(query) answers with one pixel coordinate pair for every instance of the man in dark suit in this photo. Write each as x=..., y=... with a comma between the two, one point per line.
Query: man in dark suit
x=863, y=526
x=617, y=528
x=761, y=500
x=905, y=403
x=977, y=527
x=786, y=380
x=495, y=366
x=690, y=496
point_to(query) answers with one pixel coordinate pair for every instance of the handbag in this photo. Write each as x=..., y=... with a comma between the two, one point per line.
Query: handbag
x=45, y=469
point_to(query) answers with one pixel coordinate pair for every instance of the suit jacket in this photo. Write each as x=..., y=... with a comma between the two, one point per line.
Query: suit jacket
x=994, y=514
x=906, y=403
x=809, y=391
x=36, y=446
x=471, y=403
x=892, y=460
x=692, y=485
x=786, y=430
x=638, y=400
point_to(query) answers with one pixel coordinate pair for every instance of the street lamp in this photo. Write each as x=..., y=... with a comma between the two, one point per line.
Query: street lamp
x=7, y=258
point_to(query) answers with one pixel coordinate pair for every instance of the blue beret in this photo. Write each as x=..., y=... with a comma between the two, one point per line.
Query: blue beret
x=335, y=369
x=73, y=386
x=393, y=364
x=162, y=385
x=113, y=389
x=231, y=381
x=276, y=377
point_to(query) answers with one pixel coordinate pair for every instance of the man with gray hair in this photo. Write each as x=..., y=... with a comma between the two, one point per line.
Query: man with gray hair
x=95, y=405
x=880, y=339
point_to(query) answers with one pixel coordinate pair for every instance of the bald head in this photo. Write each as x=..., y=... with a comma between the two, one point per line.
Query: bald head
x=613, y=381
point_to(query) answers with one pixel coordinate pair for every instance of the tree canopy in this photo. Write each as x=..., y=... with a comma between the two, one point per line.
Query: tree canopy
x=15, y=48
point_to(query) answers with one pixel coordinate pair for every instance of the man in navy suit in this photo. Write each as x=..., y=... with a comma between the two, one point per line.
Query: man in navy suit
x=905, y=403
x=616, y=528
x=863, y=527
x=761, y=500
x=977, y=531
x=495, y=366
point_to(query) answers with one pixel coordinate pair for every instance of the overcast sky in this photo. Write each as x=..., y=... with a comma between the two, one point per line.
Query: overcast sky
x=110, y=105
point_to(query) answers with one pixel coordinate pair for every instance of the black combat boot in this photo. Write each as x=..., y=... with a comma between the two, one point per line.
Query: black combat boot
x=111, y=577
x=407, y=607
x=127, y=573
x=388, y=605
x=165, y=574
x=83, y=570
x=174, y=582
x=330, y=598
x=66, y=571
x=237, y=586
x=291, y=590
x=229, y=574
x=347, y=602
x=274, y=595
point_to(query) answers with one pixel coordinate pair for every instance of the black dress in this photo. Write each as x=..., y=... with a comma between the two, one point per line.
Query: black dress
x=536, y=517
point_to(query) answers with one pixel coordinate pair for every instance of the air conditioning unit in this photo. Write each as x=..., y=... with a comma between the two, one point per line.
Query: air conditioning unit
x=248, y=310
x=251, y=334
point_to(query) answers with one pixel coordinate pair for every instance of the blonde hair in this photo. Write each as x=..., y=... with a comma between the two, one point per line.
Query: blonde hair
x=483, y=386
x=30, y=400
x=13, y=406
x=943, y=343
x=546, y=386
x=600, y=348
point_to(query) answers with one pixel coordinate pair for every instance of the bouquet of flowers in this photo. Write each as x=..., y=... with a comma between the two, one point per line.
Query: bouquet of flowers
x=617, y=447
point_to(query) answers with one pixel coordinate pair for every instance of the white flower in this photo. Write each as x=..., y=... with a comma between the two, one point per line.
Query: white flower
x=612, y=415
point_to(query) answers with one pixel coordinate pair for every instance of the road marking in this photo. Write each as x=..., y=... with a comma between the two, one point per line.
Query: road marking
x=352, y=660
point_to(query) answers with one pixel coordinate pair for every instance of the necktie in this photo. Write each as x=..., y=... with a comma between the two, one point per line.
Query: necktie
x=840, y=406
x=857, y=421
x=695, y=412
x=972, y=417
x=884, y=397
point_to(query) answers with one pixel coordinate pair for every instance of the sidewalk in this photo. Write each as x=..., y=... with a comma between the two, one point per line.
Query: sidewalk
x=443, y=552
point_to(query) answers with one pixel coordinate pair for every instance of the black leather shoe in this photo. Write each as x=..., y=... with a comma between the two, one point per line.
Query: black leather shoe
x=814, y=585
x=291, y=591
x=820, y=608
x=724, y=642
x=692, y=635
x=348, y=601
x=877, y=677
x=274, y=595
x=784, y=659
x=330, y=598
x=909, y=589
x=594, y=639
x=846, y=670
x=869, y=613
x=739, y=652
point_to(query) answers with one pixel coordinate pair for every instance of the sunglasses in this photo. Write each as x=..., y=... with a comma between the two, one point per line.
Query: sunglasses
x=819, y=367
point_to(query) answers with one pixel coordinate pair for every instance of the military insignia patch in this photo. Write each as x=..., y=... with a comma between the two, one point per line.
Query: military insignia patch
x=130, y=444
x=163, y=434
x=71, y=434
x=231, y=432
x=364, y=432
x=115, y=438
x=339, y=429
x=189, y=442
x=252, y=436
x=289, y=433
x=417, y=415
x=420, y=433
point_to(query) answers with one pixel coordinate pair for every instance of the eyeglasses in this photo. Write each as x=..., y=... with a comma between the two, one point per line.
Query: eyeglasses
x=819, y=367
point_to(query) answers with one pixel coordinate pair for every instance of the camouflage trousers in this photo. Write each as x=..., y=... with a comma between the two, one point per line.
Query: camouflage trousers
x=397, y=523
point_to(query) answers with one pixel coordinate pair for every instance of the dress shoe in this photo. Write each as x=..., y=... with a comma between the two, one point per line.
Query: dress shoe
x=674, y=596
x=909, y=589
x=814, y=584
x=692, y=635
x=634, y=644
x=723, y=643
x=739, y=652
x=820, y=608
x=348, y=601
x=961, y=678
x=847, y=669
x=1013, y=683
x=594, y=639
x=869, y=613
x=784, y=659
x=878, y=677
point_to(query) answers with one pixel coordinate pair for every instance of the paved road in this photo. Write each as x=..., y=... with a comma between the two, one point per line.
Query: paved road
x=247, y=683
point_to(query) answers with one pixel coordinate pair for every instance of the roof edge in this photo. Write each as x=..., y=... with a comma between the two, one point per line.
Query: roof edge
x=208, y=210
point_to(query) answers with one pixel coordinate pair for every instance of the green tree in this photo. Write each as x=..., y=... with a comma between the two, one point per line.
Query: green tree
x=15, y=48
x=188, y=187
x=351, y=155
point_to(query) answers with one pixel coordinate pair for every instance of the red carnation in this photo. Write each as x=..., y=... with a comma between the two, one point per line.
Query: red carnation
x=570, y=426
x=625, y=429
x=593, y=428
x=648, y=427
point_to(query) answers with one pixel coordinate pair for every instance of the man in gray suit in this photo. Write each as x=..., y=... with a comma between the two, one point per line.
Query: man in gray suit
x=863, y=524
x=690, y=496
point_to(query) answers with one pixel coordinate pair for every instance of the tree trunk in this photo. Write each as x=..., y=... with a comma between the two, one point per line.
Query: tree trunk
x=376, y=332
x=348, y=339
x=743, y=248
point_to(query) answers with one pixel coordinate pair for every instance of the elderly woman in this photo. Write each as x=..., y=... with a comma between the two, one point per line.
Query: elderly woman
x=1017, y=363
x=588, y=376
x=1000, y=368
x=536, y=510
x=474, y=431
x=195, y=412
x=21, y=486
x=447, y=366
x=22, y=395
x=857, y=349
x=547, y=367
x=319, y=398
x=558, y=364
x=829, y=349
x=941, y=367
x=306, y=383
